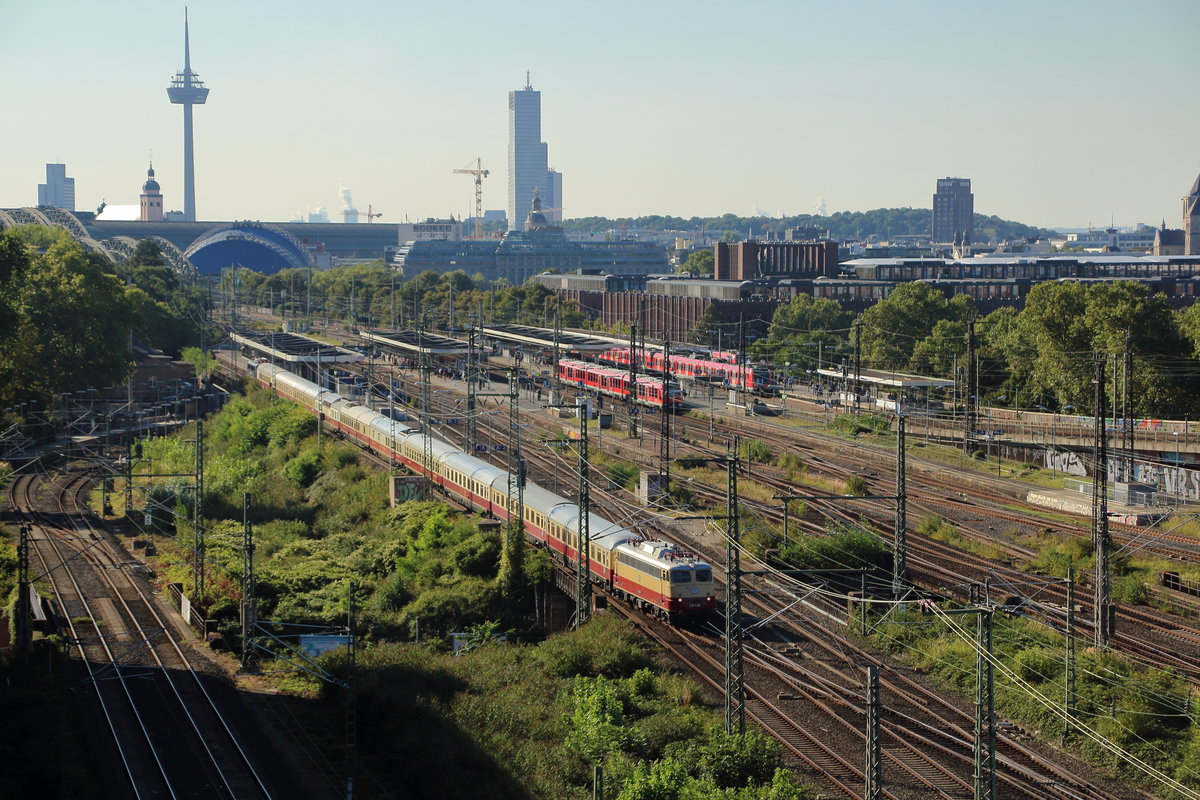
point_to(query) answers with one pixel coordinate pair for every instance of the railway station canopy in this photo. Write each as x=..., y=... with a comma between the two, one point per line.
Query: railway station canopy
x=887, y=380
x=293, y=348
x=544, y=338
x=417, y=342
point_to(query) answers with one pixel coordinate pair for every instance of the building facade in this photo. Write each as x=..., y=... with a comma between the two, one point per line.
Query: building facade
x=58, y=190
x=1191, y=221
x=953, y=211
x=528, y=162
x=745, y=261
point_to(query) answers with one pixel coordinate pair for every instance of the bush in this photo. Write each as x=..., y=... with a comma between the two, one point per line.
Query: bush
x=304, y=468
x=756, y=450
x=605, y=646
x=478, y=555
x=856, y=485
x=1131, y=590
x=843, y=550
x=1038, y=664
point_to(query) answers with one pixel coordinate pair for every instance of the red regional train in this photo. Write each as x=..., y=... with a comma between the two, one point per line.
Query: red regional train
x=754, y=379
x=615, y=383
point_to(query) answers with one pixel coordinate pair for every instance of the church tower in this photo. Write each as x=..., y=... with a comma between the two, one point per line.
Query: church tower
x=152, y=207
x=1191, y=221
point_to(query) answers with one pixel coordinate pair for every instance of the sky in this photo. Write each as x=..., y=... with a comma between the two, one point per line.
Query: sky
x=1062, y=113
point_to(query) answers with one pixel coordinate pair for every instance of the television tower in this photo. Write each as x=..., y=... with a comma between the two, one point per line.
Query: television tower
x=187, y=89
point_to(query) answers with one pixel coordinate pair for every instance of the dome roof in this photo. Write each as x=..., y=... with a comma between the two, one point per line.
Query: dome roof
x=150, y=185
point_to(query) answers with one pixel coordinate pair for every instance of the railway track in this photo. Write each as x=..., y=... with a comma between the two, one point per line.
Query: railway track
x=171, y=733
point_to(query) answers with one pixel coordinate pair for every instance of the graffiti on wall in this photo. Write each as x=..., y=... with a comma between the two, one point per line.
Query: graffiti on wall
x=1066, y=462
x=1170, y=479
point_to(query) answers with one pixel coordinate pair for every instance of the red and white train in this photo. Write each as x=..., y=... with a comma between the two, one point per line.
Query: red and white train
x=615, y=383
x=751, y=378
x=656, y=576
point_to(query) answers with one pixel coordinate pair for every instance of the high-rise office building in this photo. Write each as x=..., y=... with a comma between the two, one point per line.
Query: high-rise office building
x=58, y=190
x=187, y=90
x=954, y=211
x=553, y=194
x=527, y=158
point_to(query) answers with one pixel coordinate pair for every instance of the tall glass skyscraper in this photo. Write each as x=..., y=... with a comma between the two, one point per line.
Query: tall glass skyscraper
x=58, y=190
x=527, y=162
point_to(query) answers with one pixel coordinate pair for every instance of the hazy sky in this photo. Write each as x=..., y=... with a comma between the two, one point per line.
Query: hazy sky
x=1061, y=113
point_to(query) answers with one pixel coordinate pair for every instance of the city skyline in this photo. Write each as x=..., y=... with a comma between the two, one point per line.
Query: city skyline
x=1062, y=115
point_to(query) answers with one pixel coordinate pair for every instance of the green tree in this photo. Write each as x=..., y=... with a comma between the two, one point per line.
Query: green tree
x=1068, y=323
x=893, y=327
x=65, y=337
x=700, y=262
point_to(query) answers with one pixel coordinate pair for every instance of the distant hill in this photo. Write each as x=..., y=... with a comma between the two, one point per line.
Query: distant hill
x=843, y=225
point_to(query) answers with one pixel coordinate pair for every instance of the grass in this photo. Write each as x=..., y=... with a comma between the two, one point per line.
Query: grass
x=944, y=531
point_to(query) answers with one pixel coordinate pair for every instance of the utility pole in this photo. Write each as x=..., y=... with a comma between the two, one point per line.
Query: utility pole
x=249, y=591
x=985, y=709
x=516, y=471
x=970, y=392
x=557, y=335
x=664, y=443
x=198, y=554
x=633, y=371
x=471, y=428
x=735, y=676
x=1069, y=657
x=857, y=359
x=351, y=695
x=426, y=405
x=900, y=544
x=1127, y=442
x=24, y=632
x=583, y=583
x=873, y=790
x=1102, y=607
x=741, y=379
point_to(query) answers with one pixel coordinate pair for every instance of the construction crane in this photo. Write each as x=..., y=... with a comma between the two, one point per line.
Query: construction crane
x=480, y=173
x=372, y=214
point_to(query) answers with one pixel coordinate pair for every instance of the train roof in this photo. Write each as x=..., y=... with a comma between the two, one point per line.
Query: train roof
x=656, y=550
x=390, y=426
x=604, y=533
x=475, y=468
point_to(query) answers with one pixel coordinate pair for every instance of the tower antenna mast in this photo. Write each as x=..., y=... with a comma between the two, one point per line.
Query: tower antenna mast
x=187, y=90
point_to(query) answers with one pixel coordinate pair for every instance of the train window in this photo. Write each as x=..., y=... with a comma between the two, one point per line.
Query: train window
x=704, y=576
x=681, y=576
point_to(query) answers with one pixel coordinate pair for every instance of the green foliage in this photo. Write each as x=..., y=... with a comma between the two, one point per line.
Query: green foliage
x=855, y=549
x=893, y=327
x=605, y=646
x=856, y=424
x=730, y=760
x=596, y=725
x=804, y=331
x=701, y=262
x=856, y=485
x=882, y=222
x=756, y=450
x=304, y=468
x=57, y=320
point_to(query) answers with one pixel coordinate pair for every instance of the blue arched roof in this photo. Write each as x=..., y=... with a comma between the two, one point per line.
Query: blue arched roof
x=262, y=248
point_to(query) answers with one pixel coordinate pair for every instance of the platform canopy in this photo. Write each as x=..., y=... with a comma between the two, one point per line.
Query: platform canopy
x=891, y=380
x=544, y=338
x=417, y=342
x=293, y=348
